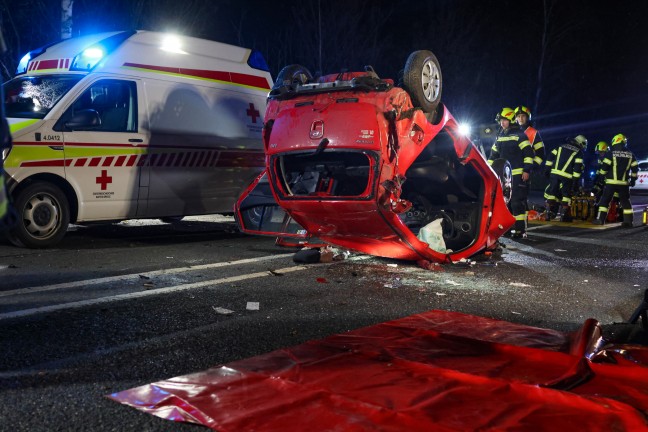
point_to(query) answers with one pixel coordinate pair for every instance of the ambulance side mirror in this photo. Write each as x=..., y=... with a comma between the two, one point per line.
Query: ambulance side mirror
x=84, y=119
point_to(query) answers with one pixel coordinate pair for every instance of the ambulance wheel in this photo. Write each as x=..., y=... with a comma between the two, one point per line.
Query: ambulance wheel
x=502, y=168
x=171, y=219
x=422, y=80
x=43, y=216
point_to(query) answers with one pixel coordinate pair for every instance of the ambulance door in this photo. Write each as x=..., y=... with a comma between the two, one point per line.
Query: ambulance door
x=105, y=150
x=206, y=147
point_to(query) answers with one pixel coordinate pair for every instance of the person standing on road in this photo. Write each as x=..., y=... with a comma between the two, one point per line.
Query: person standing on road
x=618, y=173
x=523, y=118
x=513, y=145
x=564, y=167
x=7, y=214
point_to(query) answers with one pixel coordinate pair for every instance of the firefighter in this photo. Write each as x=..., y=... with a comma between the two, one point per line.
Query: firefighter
x=523, y=118
x=565, y=167
x=600, y=150
x=5, y=144
x=618, y=173
x=7, y=214
x=512, y=144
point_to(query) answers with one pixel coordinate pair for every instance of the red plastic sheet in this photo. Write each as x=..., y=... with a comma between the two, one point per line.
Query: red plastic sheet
x=441, y=371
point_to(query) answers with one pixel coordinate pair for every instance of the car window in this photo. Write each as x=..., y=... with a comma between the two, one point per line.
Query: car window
x=114, y=100
x=643, y=166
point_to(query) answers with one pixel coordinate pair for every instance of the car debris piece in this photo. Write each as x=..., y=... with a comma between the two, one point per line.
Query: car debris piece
x=362, y=164
x=222, y=311
x=253, y=306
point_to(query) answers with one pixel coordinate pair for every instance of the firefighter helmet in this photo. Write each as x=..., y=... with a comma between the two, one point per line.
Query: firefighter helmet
x=620, y=139
x=581, y=141
x=523, y=110
x=505, y=114
x=601, y=146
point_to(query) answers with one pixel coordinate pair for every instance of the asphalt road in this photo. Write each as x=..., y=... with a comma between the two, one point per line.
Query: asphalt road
x=118, y=306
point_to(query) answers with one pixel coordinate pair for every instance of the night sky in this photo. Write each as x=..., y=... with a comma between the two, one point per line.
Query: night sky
x=594, y=77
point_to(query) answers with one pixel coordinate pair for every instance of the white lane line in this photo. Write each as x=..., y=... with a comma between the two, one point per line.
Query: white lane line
x=596, y=242
x=75, y=284
x=141, y=294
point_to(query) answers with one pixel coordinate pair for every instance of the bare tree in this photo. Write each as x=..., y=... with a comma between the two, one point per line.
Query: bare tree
x=66, y=18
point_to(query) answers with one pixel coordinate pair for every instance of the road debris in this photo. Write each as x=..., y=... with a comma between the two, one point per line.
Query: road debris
x=222, y=311
x=326, y=254
x=252, y=306
x=520, y=284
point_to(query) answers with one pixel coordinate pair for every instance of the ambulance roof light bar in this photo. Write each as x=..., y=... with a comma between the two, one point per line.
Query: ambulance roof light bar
x=90, y=57
x=24, y=61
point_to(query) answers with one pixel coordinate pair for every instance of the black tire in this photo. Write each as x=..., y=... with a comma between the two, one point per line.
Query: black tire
x=257, y=217
x=288, y=76
x=422, y=80
x=43, y=216
x=171, y=219
x=502, y=168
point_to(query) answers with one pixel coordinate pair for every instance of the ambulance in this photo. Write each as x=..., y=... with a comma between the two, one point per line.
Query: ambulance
x=131, y=124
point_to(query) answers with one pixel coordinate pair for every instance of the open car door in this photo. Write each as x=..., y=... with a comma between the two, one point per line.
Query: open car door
x=257, y=212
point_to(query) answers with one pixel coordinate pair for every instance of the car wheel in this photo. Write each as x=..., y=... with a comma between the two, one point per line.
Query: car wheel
x=257, y=217
x=43, y=216
x=502, y=168
x=422, y=80
x=288, y=76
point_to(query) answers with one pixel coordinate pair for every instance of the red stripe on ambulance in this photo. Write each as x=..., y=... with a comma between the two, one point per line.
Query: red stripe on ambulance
x=234, y=78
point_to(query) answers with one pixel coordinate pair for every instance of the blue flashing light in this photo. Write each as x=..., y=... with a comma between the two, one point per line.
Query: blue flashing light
x=31, y=55
x=90, y=57
x=24, y=62
x=257, y=61
x=592, y=173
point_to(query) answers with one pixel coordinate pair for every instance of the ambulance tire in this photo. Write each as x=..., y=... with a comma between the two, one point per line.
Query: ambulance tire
x=44, y=216
x=502, y=168
x=172, y=219
x=422, y=80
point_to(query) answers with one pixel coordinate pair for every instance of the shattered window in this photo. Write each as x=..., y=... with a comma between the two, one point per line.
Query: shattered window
x=34, y=97
x=326, y=174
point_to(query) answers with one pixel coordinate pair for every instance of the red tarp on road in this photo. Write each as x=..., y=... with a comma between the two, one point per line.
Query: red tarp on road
x=439, y=370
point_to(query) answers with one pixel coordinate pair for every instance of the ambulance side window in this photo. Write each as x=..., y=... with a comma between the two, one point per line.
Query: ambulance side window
x=114, y=100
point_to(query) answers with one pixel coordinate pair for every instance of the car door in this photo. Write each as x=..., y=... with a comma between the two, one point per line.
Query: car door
x=105, y=152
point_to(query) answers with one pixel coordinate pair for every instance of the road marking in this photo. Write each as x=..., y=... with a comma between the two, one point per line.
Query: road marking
x=75, y=284
x=141, y=294
x=597, y=242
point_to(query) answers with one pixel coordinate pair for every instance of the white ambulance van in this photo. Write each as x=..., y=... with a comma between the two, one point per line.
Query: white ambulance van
x=135, y=124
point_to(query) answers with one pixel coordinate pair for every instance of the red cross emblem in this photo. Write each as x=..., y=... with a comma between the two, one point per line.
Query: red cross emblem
x=253, y=112
x=104, y=179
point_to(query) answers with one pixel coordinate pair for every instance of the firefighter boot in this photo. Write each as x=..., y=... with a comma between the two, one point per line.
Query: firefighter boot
x=627, y=220
x=565, y=214
x=550, y=211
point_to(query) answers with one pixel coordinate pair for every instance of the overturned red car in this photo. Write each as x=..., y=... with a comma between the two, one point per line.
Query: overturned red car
x=357, y=162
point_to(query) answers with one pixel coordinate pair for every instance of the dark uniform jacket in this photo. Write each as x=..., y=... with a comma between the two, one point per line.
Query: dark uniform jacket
x=536, y=143
x=566, y=161
x=619, y=167
x=512, y=144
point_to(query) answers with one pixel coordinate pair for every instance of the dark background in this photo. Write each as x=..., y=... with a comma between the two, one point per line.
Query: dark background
x=581, y=66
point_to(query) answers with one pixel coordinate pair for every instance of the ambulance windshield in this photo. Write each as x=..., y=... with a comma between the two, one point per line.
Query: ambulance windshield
x=33, y=97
